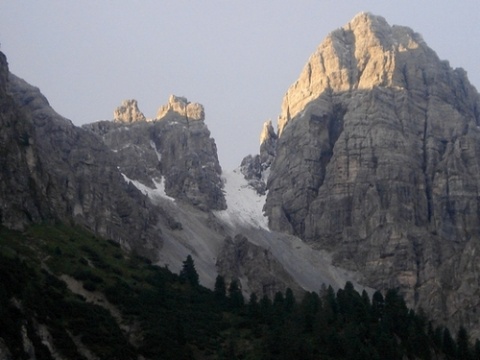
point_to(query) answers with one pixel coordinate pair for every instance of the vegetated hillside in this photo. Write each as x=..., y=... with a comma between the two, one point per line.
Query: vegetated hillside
x=66, y=294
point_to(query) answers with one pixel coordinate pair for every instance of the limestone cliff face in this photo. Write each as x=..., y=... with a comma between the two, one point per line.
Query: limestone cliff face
x=19, y=201
x=128, y=112
x=254, y=267
x=180, y=106
x=175, y=149
x=54, y=171
x=378, y=160
x=255, y=168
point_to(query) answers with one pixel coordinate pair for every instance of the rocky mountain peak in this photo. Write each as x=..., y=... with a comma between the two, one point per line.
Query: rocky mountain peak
x=174, y=152
x=178, y=105
x=377, y=161
x=254, y=168
x=365, y=53
x=268, y=132
x=128, y=112
x=268, y=143
x=3, y=73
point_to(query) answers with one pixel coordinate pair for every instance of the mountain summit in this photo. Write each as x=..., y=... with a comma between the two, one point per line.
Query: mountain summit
x=372, y=177
x=364, y=54
x=377, y=160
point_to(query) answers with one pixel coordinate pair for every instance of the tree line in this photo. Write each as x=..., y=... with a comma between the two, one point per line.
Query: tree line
x=342, y=324
x=172, y=316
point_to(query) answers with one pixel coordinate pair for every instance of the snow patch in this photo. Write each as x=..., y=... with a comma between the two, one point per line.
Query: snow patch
x=309, y=267
x=154, y=147
x=244, y=205
x=158, y=192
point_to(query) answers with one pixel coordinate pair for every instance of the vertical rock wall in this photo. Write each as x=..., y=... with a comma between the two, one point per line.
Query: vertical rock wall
x=378, y=161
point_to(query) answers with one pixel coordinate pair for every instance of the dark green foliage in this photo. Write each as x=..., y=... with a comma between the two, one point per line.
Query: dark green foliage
x=253, y=308
x=308, y=310
x=378, y=306
x=290, y=301
x=220, y=289
x=463, y=347
x=235, y=296
x=265, y=310
x=173, y=317
x=448, y=344
x=189, y=273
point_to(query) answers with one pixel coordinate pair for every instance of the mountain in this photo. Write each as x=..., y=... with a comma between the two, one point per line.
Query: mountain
x=175, y=149
x=152, y=185
x=54, y=171
x=377, y=162
x=215, y=216
x=371, y=178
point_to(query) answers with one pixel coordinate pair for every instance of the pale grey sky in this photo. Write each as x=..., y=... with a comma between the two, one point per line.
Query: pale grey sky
x=237, y=58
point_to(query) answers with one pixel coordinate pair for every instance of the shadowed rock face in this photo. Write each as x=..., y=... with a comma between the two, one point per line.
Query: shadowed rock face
x=253, y=265
x=255, y=168
x=176, y=149
x=378, y=160
x=18, y=206
x=54, y=171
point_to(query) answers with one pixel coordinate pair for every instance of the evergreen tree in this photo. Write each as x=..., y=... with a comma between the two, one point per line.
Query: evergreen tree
x=330, y=306
x=265, y=309
x=448, y=344
x=278, y=300
x=278, y=310
x=366, y=300
x=477, y=350
x=220, y=289
x=378, y=306
x=351, y=304
x=386, y=346
x=396, y=314
x=289, y=300
x=438, y=338
x=253, y=307
x=309, y=307
x=189, y=273
x=463, y=350
x=235, y=295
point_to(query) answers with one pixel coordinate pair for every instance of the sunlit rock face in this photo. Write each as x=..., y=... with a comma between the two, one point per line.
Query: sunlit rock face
x=378, y=160
x=178, y=106
x=128, y=112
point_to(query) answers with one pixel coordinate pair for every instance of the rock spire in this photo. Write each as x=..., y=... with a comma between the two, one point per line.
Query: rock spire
x=128, y=112
x=180, y=106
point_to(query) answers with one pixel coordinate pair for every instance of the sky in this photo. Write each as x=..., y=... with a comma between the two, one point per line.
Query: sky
x=236, y=58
